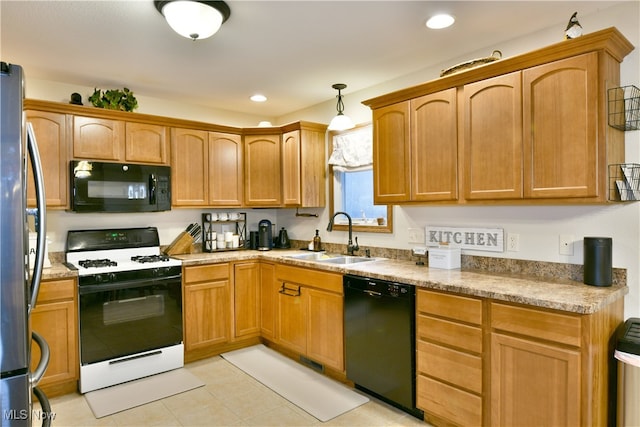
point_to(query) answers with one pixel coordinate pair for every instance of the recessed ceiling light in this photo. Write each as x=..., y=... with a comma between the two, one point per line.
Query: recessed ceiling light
x=437, y=22
x=258, y=98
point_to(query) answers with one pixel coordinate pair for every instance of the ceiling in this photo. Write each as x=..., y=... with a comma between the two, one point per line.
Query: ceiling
x=290, y=51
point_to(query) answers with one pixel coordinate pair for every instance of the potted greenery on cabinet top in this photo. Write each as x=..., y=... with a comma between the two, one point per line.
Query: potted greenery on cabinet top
x=114, y=99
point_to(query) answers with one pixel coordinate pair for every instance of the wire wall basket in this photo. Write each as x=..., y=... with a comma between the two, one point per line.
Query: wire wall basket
x=624, y=108
x=624, y=182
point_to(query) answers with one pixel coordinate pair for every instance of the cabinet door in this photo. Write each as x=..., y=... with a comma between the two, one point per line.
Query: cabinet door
x=189, y=167
x=225, y=169
x=533, y=383
x=560, y=104
x=391, y=154
x=268, y=300
x=55, y=319
x=262, y=170
x=98, y=139
x=246, y=291
x=291, y=323
x=206, y=314
x=291, y=168
x=493, y=138
x=434, y=147
x=50, y=130
x=146, y=143
x=325, y=331
x=313, y=167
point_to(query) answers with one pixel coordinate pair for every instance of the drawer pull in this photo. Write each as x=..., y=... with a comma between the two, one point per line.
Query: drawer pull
x=284, y=290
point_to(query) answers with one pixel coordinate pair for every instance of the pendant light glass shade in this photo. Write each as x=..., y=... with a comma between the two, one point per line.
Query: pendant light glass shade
x=194, y=19
x=340, y=121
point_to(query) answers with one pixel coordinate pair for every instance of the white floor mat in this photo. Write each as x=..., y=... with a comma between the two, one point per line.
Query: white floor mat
x=125, y=396
x=318, y=395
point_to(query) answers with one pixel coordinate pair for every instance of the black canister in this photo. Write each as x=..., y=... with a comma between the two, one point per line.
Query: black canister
x=597, y=261
x=253, y=240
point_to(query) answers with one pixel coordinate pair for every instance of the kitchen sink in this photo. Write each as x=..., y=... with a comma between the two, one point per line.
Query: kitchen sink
x=315, y=256
x=324, y=257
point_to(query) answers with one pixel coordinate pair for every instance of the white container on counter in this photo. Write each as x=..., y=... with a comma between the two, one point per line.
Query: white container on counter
x=33, y=239
x=445, y=258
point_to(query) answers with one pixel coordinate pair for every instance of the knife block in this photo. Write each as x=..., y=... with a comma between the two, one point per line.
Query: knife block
x=183, y=244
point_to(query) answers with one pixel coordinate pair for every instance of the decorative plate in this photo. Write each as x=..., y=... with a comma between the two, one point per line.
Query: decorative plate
x=472, y=64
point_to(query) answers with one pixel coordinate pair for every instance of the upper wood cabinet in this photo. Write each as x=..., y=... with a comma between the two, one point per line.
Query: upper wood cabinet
x=146, y=143
x=50, y=130
x=304, y=165
x=262, y=170
x=98, y=139
x=206, y=168
x=391, y=154
x=225, y=169
x=492, y=144
x=527, y=129
x=415, y=150
x=189, y=167
x=119, y=141
x=434, y=147
x=560, y=104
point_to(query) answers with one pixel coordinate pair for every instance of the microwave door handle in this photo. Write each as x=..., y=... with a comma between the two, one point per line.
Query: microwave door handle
x=153, y=184
x=41, y=219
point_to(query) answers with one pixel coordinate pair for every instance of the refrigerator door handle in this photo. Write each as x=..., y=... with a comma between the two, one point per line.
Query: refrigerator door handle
x=38, y=373
x=41, y=222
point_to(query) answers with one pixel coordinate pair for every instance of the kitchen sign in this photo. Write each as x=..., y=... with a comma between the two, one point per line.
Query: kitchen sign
x=477, y=239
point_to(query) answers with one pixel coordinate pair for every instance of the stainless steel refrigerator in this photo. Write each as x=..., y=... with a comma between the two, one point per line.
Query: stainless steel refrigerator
x=18, y=285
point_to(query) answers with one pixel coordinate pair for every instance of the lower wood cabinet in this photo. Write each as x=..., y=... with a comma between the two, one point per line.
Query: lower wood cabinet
x=246, y=299
x=536, y=371
x=206, y=306
x=309, y=319
x=449, y=362
x=487, y=362
x=55, y=318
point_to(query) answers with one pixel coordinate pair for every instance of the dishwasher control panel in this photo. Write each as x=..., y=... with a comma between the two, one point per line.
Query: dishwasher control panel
x=376, y=287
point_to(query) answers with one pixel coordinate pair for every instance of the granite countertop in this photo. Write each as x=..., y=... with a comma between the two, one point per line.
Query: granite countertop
x=562, y=294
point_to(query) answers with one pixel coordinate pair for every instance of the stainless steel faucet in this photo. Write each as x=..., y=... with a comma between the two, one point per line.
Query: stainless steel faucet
x=351, y=248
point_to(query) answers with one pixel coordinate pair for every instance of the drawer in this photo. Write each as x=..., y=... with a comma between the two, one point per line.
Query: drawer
x=455, y=307
x=452, y=366
x=460, y=407
x=204, y=273
x=311, y=278
x=558, y=327
x=54, y=290
x=449, y=333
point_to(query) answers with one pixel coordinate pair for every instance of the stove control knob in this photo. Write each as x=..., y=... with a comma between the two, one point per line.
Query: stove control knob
x=112, y=277
x=155, y=272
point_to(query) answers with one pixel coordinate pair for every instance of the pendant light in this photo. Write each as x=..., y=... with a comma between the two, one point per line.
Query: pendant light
x=340, y=121
x=194, y=19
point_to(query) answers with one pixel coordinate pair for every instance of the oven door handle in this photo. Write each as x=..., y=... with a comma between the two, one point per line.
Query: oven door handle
x=129, y=284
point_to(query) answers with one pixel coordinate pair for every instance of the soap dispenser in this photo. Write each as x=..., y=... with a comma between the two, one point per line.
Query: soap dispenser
x=317, y=243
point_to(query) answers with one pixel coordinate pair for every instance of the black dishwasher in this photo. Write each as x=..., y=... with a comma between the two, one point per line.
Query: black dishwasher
x=379, y=326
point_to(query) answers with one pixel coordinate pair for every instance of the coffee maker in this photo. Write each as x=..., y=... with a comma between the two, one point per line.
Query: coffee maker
x=265, y=235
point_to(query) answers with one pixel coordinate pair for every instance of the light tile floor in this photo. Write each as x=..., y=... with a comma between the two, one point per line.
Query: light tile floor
x=229, y=398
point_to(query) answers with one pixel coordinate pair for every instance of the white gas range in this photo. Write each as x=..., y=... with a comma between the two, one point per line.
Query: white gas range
x=130, y=305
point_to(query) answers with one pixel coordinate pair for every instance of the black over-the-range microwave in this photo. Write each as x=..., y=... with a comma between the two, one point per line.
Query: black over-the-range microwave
x=119, y=187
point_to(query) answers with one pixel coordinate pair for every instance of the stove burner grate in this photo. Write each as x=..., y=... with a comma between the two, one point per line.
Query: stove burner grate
x=149, y=258
x=94, y=263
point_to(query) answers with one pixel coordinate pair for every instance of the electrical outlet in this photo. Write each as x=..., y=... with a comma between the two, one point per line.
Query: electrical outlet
x=416, y=235
x=513, y=242
x=566, y=244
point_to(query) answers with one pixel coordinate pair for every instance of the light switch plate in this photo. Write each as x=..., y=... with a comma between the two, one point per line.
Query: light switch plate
x=416, y=235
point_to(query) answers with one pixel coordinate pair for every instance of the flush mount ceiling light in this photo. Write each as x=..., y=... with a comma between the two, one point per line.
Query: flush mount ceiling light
x=258, y=98
x=437, y=22
x=340, y=121
x=194, y=19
